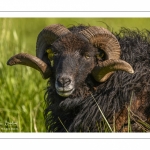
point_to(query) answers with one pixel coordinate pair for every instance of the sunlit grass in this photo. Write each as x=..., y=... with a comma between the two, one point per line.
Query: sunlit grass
x=22, y=88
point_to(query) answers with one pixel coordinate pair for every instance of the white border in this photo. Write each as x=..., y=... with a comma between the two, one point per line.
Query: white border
x=67, y=141
x=74, y=8
x=74, y=5
x=74, y=14
x=70, y=9
x=75, y=135
x=96, y=135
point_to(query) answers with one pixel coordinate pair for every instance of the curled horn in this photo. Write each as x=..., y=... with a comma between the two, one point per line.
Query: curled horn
x=103, y=71
x=105, y=40
x=40, y=62
x=46, y=37
x=31, y=61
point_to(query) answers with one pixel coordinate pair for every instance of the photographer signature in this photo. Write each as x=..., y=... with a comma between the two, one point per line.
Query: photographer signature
x=6, y=123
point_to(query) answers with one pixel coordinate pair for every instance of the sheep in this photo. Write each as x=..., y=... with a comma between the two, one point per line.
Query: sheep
x=98, y=81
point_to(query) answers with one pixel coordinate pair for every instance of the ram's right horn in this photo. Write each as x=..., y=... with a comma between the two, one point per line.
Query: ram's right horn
x=31, y=61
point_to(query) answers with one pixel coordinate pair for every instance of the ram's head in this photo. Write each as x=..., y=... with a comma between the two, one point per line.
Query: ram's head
x=71, y=56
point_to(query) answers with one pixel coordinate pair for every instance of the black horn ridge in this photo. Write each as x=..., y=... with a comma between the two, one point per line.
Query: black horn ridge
x=105, y=40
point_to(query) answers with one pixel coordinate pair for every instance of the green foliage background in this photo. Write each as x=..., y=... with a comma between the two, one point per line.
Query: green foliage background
x=22, y=88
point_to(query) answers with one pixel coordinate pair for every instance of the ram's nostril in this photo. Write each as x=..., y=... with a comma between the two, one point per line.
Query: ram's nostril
x=63, y=81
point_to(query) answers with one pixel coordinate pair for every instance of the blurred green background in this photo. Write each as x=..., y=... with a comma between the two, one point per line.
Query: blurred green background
x=22, y=88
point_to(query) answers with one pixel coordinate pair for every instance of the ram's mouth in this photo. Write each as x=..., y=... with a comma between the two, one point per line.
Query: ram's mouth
x=64, y=93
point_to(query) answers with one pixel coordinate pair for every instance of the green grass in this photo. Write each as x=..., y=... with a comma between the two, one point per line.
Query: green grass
x=22, y=88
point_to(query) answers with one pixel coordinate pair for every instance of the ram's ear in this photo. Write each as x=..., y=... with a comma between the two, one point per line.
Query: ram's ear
x=31, y=61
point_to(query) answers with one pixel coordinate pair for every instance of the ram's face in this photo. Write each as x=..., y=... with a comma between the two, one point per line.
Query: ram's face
x=73, y=60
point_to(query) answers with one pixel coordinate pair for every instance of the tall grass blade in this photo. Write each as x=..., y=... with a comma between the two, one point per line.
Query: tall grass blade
x=102, y=114
x=30, y=117
x=63, y=124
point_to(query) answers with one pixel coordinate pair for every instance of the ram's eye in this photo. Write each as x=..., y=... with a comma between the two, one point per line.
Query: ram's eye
x=87, y=56
x=55, y=53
